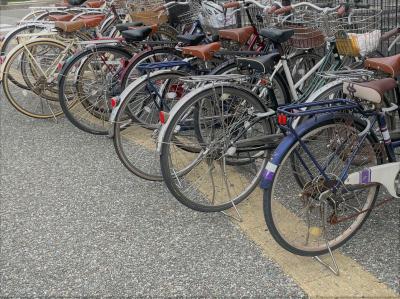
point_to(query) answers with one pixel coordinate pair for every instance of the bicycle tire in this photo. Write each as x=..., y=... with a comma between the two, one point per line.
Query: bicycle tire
x=169, y=171
x=6, y=79
x=63, y=82
x=286, y=149
x=147, y=171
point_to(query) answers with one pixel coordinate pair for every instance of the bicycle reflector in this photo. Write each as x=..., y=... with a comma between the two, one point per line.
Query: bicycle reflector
x=114, y=102
x=163, y=117
x=282, y=119
x=60, y=66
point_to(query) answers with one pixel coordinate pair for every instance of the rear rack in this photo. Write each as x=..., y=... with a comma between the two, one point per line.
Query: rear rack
x=319, y=107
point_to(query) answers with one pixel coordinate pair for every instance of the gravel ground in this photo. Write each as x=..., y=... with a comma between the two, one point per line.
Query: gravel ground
x=74, y=222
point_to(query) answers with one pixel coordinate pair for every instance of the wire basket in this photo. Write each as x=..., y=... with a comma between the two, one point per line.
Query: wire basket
x=149, y=17
x=360, y=33
x=213, y=17
x=311, y=28
x=253, y=15
x=144, y=5
x=190, y=15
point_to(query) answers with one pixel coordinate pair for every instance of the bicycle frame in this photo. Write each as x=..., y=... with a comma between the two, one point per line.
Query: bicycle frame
x=319, y=66
x=383, y=174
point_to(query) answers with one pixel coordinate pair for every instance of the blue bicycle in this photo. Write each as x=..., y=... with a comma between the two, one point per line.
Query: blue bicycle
x=323, y=179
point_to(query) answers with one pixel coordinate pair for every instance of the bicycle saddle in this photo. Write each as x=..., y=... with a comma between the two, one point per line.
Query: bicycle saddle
x=389, y=65
x=94, y=4
x=126, y=26
x=240, y=35
x=371, y=91
x=72, y=26
x=204, y=52
x=66, y=17
x=75, y=2
x=191, y=39
x=137, y=35
x=277, y=35
x=261, y=64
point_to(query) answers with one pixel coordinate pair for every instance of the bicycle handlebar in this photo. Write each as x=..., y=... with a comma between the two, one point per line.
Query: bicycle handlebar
x=248, y=2
x=390, y=33
x=169, y=4
x=289, y=8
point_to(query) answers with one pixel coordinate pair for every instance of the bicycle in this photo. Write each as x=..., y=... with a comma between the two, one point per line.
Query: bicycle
x=336, y=159
x=241, y=141
x=29, y=73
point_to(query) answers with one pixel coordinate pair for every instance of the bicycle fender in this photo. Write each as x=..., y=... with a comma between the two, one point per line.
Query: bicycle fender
x=17, y=48
x=124, y=95
x=137, y=56
x=383, y=174
x=286, y=143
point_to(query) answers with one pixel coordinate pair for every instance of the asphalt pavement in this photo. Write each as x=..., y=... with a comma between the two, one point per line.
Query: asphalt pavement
x=75, y=222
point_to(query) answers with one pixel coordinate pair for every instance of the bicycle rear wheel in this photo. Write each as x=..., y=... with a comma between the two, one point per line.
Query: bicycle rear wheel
x=197, y=164
x=296, y=217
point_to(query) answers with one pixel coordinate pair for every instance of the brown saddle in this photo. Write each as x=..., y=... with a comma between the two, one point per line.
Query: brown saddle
x=94, y=4
x=73, y=26
x=389, y=65
x=57, y=18
x=371, y=91
x=204, y=52
x=240, y=35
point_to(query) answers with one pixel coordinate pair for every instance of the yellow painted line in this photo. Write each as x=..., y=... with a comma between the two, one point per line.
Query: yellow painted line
x=311, y=276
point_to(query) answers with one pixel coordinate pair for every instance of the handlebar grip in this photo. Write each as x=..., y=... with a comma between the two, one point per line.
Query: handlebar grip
x=233, y=4
x=390, y=33
x=342, y=11
x=283, y=10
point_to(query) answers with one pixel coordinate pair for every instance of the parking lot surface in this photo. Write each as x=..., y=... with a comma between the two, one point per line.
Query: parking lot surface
x=75, y=222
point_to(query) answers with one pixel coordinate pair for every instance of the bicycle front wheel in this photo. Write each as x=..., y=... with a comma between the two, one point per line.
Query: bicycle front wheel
x=296, y=215
x=201, y=160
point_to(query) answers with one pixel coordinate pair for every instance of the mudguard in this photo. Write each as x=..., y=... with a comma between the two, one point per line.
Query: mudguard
x=279, y=153
x=127, y=91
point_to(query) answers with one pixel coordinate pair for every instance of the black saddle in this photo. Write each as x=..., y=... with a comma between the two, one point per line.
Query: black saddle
x=261, y=64
x=277, y=35
x=191, y=39
x=136, y=35
x=125, y=26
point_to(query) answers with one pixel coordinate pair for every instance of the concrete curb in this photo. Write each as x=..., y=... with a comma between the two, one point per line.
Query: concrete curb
x=26, y=4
